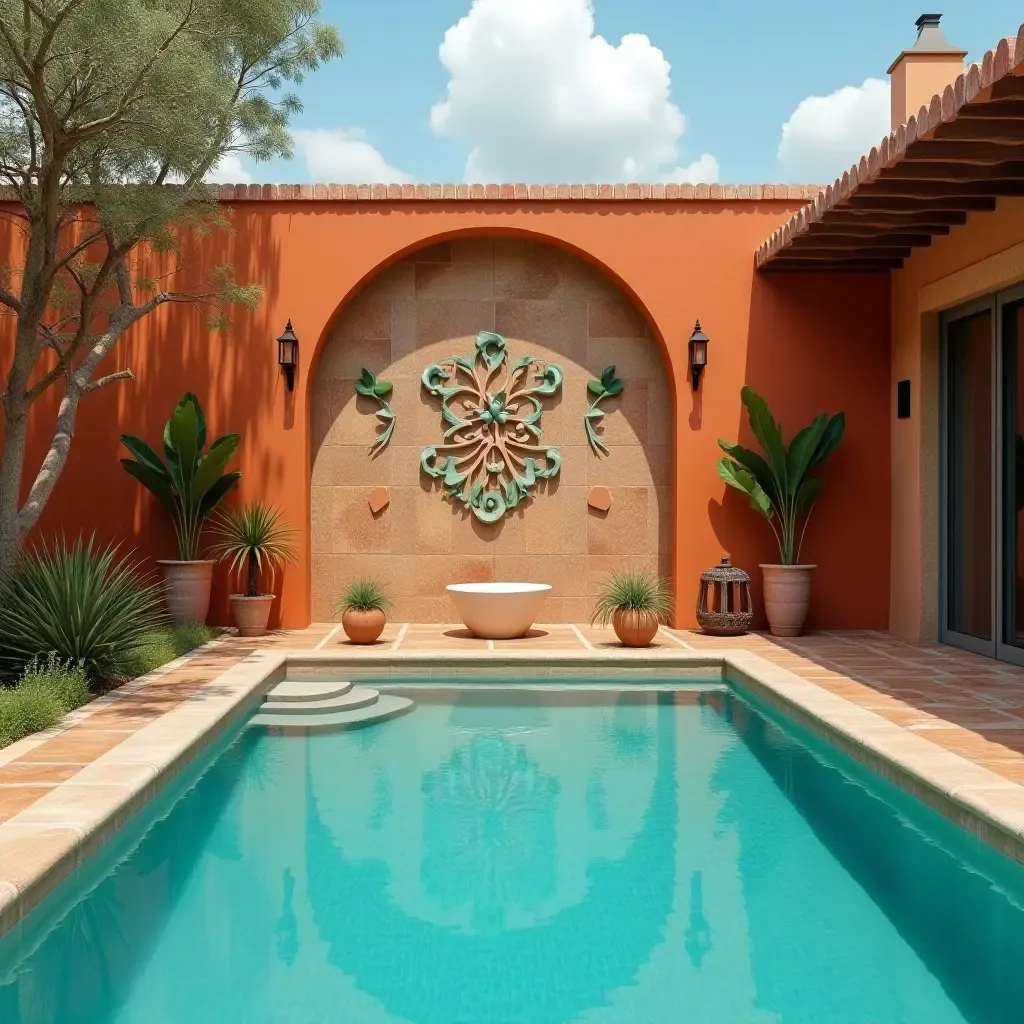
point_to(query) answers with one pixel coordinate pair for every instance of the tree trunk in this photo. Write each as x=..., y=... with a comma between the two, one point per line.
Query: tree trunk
x=11, y=464
x=254, y=580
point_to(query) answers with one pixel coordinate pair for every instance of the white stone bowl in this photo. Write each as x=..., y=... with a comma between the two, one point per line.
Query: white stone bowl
x=498, y=611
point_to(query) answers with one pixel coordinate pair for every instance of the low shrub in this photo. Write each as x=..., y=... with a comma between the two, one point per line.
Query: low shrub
x=163, y=645
x=89, y=606
x=26, y=709
x=69, y=685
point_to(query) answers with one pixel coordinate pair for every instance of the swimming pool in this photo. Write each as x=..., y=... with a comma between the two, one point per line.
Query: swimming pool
x=538, y=854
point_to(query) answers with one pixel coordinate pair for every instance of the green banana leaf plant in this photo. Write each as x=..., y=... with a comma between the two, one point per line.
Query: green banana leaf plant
x=779, y=485
x=189, y=484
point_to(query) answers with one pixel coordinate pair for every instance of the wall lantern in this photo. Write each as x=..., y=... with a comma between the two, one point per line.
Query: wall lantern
x=698, y=354
x=288, y=354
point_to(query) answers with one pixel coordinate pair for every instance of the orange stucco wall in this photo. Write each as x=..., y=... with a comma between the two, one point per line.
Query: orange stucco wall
x=982, y=256
x=809, y=343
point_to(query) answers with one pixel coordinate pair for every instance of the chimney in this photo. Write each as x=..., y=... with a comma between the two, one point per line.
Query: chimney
x=917, y=74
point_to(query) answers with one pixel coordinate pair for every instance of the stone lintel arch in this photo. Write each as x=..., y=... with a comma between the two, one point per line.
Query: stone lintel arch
x=550, y=301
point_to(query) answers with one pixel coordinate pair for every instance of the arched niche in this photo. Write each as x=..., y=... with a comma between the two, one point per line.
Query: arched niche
x=430, y=305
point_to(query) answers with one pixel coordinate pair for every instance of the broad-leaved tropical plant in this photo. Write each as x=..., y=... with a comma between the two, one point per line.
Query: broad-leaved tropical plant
x=190, y=483
x=779, y=484
x=253, y=539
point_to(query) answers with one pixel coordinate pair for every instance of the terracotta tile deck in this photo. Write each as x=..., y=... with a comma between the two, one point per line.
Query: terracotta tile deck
x=966, y=704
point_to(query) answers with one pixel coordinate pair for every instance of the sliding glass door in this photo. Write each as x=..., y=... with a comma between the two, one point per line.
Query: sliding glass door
x=982, y=564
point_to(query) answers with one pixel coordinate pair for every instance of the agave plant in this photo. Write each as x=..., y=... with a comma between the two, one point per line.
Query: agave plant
x=633, y=592
x=190, y=484
x=253, y=538
x=780, y=486
x=90, y=607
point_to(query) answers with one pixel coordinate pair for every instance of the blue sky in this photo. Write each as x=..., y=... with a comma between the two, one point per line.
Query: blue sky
x=539, y=97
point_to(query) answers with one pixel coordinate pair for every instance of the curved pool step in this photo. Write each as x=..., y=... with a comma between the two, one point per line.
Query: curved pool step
x=385, y=706
x=301, y=693
x=356, y=697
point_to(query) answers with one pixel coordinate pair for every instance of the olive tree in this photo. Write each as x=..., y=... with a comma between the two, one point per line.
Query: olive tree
x=113, y=114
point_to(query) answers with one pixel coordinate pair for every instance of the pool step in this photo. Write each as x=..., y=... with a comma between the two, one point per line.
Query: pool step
x=383, y=707
x=303, y=692
x=357, y=697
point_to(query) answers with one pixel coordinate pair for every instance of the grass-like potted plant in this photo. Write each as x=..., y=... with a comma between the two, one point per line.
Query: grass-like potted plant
x=635, y=604
x=189, y=484
x=253, y=541
x=364, y=608
x=780, y=488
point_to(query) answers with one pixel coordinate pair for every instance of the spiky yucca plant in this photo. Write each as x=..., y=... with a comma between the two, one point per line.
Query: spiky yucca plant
x=363, y=595
x=643, y=591
x=253, y=538
x=90, y=606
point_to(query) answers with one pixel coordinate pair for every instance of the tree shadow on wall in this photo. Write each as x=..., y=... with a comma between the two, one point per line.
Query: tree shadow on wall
x=234, y=374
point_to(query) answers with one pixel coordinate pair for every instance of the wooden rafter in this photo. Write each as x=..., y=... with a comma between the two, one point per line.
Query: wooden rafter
x=957, y=158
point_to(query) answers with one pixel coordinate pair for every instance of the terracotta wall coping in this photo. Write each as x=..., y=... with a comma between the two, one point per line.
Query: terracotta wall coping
x=514, y=192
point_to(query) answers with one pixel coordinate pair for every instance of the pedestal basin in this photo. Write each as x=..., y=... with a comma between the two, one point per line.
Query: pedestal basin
x=498, y=611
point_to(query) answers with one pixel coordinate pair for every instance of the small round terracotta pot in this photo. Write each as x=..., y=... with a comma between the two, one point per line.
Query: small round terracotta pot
x=187, y=589
x=363, y=627
x=787, y=597
x=251, y=614
x=633, y=628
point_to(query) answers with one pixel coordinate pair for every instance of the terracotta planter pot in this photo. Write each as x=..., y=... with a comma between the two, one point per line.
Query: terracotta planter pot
x=635, y=629
x=251, y=614
x=187, y=589
x=787, y=597
x=363, y=627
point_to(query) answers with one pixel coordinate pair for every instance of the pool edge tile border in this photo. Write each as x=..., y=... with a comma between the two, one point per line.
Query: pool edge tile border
x=87, y=809
x=101, y=797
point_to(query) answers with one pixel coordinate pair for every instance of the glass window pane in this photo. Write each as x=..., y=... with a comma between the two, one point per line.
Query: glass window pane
x=1013, y=469
x=969, y=475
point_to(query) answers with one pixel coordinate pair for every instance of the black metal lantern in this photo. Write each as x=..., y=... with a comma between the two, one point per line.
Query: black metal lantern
x=698, y=354
x=288, y=354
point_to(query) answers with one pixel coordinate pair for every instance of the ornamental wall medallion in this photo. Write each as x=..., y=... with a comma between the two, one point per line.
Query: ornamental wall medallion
x=491, y=456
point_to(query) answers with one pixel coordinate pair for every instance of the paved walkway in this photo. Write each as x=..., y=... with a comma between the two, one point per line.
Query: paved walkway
x=969, y=705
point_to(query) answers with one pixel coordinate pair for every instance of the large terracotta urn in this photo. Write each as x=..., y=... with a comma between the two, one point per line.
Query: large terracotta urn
x=787, y=597
x=635, y=628
x=187, y=589
x=251, y=614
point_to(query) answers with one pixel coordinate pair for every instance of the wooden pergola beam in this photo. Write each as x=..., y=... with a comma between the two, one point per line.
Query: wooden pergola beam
x=943, y=190
x=838, y=238
x=830, y=266
x=848, y=229
x=978, y=130
x=913, y=217
x=917, y=204
x=953, y=170
x=849, y=251
x=970, y=154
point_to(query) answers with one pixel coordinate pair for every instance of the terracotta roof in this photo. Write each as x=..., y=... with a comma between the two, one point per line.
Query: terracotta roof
x=958, y=155
x=506, y=192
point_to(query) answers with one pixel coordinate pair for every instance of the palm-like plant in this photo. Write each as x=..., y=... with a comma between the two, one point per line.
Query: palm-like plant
x=780, y=486
x=253, y=539
x=190, y=484
x=643, y=592
x=89, y=607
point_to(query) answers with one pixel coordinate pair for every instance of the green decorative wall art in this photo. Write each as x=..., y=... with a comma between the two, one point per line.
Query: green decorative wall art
x=608, y=386
x=491, y=457
x=370, y=387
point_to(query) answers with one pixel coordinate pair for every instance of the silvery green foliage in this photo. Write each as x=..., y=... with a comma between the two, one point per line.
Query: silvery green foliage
x=112, y=115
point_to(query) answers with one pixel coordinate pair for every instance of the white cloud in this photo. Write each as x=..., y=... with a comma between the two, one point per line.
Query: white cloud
x=826, y=135
x=229, y=171
x=539, y=97
x=703, y=170
x=344, y=155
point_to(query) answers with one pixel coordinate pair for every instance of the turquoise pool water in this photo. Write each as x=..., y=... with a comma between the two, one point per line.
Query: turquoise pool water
x=531, y=856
